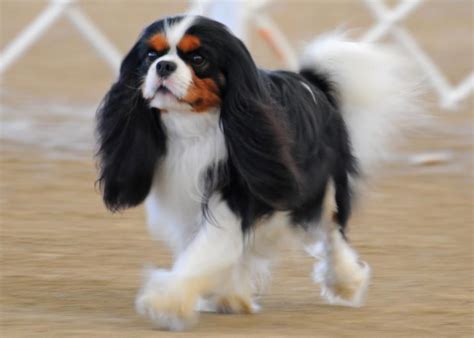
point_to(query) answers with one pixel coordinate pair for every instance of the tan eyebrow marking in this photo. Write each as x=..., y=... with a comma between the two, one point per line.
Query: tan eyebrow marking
x=189, y=43
x=158, y=42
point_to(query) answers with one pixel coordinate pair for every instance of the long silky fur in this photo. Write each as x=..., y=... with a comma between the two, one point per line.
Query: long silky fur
x=256, y=139
x=131, y=139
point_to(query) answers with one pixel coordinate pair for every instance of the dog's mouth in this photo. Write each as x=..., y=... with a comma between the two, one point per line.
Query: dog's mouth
x=164, y=90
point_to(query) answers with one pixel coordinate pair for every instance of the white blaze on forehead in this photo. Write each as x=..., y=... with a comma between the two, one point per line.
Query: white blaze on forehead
x=175, y=32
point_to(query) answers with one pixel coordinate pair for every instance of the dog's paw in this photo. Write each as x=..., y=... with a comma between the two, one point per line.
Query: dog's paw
x=347, y=287
x=167, y=301
x=236, y=304
x=228, y=304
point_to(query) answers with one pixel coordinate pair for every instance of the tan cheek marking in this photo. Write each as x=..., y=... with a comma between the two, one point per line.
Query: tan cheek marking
x=158, y=42
x=203, y=94
x=189, y=43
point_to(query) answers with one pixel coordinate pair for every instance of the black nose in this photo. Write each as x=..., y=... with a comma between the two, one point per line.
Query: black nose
x=165, y=68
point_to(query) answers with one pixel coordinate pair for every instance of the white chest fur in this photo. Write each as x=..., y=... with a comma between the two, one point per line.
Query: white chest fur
x=195, y=142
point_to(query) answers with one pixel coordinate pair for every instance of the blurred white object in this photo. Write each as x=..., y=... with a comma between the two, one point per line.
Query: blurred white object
x=434, y=158
x=231, y=13
x=56, y=9
x=238, y=15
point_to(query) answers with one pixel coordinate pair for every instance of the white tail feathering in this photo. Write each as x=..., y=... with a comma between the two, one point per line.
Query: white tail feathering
x=378, y=90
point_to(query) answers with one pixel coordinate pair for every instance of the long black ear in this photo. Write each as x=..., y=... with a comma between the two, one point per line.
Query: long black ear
x=257, y=138
x=131, y=139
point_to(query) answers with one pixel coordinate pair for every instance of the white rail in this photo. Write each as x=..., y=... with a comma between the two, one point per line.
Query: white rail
x=40, y=25
x=387, y=20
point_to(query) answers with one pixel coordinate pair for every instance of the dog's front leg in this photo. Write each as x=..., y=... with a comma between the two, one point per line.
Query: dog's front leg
x=168, y=298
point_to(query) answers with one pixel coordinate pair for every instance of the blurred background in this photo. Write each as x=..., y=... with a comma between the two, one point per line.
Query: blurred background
x=69, y=268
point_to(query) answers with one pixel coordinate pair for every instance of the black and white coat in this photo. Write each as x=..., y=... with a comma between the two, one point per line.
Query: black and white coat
x=235, y=162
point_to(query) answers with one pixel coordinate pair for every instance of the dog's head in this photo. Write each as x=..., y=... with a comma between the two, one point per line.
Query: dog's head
x=186, y=63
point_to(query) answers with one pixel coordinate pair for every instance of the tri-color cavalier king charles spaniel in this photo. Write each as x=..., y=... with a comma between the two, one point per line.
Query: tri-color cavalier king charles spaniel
x=235, y=162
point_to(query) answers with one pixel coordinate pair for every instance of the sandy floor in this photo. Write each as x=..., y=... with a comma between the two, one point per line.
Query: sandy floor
x=69, y=268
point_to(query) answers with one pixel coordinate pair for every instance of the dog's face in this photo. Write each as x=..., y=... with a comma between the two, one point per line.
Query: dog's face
x=181, y=68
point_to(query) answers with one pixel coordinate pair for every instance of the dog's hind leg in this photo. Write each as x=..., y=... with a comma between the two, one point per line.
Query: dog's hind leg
x=343, y=277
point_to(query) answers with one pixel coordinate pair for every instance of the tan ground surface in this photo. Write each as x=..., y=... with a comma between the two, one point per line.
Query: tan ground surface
x=69, y=268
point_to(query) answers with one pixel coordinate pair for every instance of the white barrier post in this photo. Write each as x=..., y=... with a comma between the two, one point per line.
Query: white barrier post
x=32, y=33
x=390, y=19
x=90, y=32
x=387, y=19
x=46, y=19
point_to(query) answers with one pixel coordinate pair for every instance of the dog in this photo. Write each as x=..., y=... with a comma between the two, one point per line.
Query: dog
x=234, y=162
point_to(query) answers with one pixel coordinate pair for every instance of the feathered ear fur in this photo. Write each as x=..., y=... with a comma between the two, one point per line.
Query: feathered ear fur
x=257, y=139
x=131, y=139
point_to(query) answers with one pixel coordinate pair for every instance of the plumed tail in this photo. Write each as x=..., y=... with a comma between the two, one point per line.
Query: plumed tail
x=375, y=88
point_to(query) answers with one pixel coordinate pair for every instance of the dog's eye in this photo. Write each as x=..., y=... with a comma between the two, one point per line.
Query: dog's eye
x=197, y=60
x=152, y=55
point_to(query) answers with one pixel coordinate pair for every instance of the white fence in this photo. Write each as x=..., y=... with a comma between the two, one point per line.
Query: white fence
x=387, y=22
